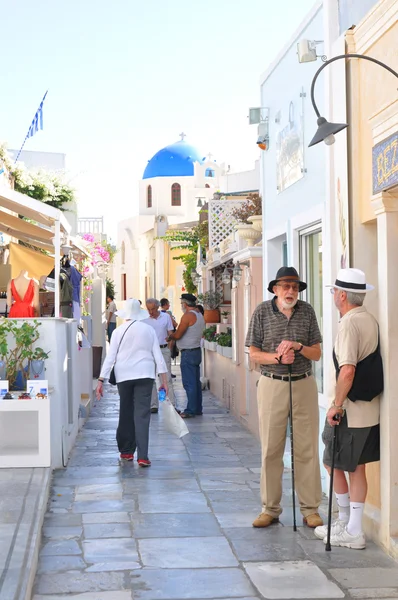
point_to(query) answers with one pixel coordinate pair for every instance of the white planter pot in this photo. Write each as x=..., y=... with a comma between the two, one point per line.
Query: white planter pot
x=225, y=320
x=247, y=233
x=227, y=351
x=219, y=350
x=212, y=346
x=257, y=222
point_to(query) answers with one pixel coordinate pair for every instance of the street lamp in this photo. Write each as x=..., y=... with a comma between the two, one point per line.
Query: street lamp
x=236, y=274
x=326, y=130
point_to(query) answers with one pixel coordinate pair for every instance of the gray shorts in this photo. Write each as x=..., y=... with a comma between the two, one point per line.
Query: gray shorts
x=354, y=445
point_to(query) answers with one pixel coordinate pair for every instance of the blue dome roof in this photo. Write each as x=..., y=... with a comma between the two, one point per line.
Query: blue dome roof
x=175, y=160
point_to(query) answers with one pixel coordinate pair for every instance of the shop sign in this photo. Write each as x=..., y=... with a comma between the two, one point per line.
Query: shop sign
x=385, y=164
x=37, y=388
x=3, y=387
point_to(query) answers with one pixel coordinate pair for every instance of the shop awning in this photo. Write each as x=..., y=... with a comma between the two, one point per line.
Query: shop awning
x=48, y=231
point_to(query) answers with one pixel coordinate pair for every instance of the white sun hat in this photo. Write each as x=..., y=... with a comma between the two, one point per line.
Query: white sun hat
x=352, y=280
x=132, y=310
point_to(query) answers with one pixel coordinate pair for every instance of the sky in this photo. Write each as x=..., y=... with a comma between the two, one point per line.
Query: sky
x=126, y=77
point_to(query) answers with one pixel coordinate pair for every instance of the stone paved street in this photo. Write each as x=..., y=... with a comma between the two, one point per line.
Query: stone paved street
x=182, y=528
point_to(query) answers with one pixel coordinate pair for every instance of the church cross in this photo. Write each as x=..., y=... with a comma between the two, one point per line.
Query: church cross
x=210, y=156
x=182, y=136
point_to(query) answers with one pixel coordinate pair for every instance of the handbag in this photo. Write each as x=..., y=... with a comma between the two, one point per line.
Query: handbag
x=112, y=377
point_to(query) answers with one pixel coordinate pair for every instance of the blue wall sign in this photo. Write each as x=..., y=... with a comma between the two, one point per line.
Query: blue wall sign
x=385, y=164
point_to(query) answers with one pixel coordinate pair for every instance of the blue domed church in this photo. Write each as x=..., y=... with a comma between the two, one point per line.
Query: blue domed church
x=177, y=179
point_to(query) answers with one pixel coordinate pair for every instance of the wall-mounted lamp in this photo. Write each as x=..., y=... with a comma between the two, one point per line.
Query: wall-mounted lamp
x=306, y=50
x=196, y=278
x=236, y=274
x=326, y=131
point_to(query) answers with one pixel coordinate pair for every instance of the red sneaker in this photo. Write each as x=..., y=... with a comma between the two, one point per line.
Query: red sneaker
x=143, y=463
x=125, y=456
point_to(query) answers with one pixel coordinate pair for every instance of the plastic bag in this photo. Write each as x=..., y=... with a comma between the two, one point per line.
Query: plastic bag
x=172, y=420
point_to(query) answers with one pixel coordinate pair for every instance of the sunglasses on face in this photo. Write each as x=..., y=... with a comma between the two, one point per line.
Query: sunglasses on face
x=287, y=286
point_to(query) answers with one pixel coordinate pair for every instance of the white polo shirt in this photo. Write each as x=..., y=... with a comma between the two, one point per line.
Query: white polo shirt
x=162, y=325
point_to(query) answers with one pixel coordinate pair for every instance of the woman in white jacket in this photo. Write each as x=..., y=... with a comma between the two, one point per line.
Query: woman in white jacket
x=136, y=356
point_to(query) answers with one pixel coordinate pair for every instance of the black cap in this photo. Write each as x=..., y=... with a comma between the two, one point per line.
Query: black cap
x=287, y=274
x=188, y=297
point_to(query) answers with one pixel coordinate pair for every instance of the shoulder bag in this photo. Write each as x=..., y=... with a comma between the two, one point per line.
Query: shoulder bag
x=112, y=378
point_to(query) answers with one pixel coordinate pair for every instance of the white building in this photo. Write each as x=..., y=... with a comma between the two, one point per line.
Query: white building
x=174, y=181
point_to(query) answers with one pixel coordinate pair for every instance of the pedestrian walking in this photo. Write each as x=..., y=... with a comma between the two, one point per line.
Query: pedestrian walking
x=134, y=353
x=165, y=308
x=354, y=394
x=284, y=333
x=162, y=324
x=188, y=335
x=110, y=316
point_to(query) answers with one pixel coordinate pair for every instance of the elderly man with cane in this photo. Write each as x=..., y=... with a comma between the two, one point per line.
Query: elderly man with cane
x=284, y=338
x=357, y=383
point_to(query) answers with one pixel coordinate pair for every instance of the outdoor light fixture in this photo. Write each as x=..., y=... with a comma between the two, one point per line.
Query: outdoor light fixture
x=306, y=50
x=196, y=278
x=236, y=274
x=326, y=130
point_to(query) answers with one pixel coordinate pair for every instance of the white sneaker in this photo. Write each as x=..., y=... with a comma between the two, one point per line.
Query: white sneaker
x=346, y=540
x=322, y=530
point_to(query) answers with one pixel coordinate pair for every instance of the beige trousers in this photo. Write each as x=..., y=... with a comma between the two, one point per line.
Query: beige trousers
x=273, y=408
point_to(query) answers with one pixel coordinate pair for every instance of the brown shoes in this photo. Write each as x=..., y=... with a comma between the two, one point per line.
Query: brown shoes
x=265, y=520
x=313, y=521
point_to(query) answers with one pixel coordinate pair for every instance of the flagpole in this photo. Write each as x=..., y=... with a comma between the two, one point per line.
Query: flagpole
x=33, y=125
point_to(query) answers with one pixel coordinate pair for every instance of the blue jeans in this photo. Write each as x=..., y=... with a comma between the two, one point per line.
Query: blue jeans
x=190, y=374
x=110, y=329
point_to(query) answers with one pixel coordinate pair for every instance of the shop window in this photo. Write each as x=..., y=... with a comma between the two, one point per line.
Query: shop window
x=311, y=271
x=149, y=196
x=210, y=173
x=176, y=194
x=123, y=253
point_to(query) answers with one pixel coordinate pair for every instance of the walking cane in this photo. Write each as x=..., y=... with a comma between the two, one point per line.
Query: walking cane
x=334, y=444
x=292, y=446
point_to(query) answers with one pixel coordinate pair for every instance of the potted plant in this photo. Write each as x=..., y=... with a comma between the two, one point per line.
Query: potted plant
x=20, y=353
x=210, y=337
x=225, y=344
x=36, y=363
x=211, y=301
x=249, y=219
x=224, y=316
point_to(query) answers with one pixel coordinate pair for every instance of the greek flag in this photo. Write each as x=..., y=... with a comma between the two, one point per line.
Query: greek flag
x=37, y=120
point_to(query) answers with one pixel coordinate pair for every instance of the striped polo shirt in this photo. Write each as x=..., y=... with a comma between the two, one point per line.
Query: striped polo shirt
x=269, y=326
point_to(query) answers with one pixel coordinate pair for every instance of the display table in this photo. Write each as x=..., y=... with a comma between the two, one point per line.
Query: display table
x=25, y=433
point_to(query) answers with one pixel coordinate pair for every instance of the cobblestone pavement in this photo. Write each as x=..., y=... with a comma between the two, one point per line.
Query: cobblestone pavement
x=182, y=528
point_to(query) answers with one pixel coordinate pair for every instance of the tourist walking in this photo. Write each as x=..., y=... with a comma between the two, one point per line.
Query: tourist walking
x=134, y=352
x=188, y=335
x=284, y=333
x=162, y=324
x=110, y=316
x=357, y=383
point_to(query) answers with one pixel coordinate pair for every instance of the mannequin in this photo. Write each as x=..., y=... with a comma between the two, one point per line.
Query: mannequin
x=25, y=293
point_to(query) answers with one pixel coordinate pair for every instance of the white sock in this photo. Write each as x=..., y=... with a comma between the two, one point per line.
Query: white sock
x=354, y=526
x=343, y=502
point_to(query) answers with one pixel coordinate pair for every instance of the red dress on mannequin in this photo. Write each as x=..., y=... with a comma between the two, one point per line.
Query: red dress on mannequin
x=22, y=308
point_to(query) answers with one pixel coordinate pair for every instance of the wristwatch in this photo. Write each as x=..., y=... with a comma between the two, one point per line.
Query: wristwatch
x=100, y=379
x=301, y=347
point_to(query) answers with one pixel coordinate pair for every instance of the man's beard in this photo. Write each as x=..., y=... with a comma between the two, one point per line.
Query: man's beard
x=287, y=305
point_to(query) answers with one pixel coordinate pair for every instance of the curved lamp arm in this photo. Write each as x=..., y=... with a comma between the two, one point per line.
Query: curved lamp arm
x=328, y=62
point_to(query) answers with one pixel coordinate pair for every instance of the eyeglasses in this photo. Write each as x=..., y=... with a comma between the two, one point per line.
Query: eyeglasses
x=334, y=290
x=287, y=286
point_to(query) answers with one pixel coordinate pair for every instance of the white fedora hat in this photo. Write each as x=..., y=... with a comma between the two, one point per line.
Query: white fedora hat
x=132, y=310
x=352, y=280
